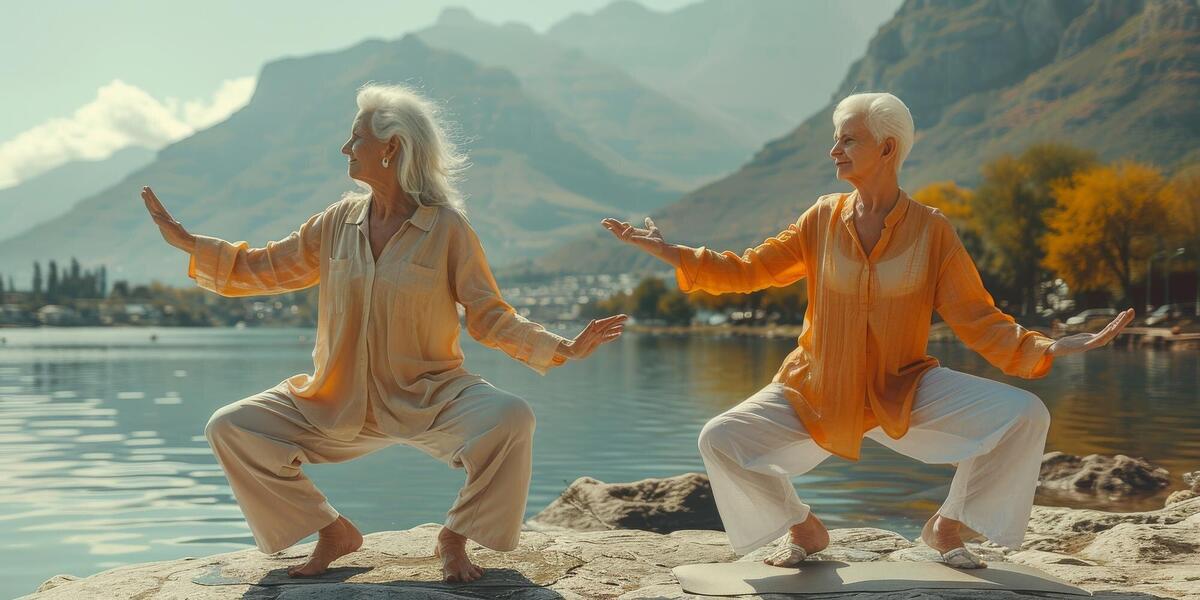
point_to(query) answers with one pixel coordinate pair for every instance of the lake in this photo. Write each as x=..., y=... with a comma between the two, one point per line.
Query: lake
x=103, y=460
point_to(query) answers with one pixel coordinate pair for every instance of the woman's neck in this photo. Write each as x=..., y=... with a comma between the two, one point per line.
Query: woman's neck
x=879, y=194
x=391, y=202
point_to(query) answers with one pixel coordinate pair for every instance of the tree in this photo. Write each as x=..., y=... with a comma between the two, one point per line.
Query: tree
x=956, y=203
x=645, y=297
x=1107, y=222
x=37, y=279
x=673, y=308
x=1185, y=186
x=52, y=283
x=1011, y=207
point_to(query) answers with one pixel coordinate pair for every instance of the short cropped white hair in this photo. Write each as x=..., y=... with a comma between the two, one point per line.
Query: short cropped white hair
x=430, y=164
x=886, y=117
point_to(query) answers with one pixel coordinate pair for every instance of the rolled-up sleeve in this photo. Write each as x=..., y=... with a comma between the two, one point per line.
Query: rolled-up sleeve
x=489, y=318
x=967, y=307
x=236, y=269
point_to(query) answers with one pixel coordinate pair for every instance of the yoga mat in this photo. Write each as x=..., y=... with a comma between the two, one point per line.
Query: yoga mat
x=829, y=576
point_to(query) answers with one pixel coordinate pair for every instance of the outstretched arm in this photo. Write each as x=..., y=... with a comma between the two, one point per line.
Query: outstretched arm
x=292, y=263
x=496, y=324
x=969, y=310
x=778, y=261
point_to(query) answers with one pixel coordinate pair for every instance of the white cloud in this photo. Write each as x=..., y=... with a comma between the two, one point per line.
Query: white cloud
x=121, y=115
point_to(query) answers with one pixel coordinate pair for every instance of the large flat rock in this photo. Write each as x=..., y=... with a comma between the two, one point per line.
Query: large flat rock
x=1144, y=555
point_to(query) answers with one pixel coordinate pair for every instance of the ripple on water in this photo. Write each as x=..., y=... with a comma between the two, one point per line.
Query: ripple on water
x=107, y=543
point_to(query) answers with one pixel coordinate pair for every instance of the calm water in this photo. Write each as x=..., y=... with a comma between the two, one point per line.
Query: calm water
x=103, y=460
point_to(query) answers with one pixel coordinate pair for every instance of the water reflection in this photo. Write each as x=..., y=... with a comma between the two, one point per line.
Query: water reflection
x=103, y=461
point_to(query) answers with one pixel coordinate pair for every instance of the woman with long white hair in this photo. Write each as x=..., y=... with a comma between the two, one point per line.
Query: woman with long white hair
x=392, y=262
x=877, y=265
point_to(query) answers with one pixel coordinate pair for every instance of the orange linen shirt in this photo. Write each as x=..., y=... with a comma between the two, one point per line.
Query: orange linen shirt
x=862, y=349
x=387, y=331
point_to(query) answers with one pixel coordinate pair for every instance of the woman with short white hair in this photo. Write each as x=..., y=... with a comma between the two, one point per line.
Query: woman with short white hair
x=392, y=262
x=876, y=264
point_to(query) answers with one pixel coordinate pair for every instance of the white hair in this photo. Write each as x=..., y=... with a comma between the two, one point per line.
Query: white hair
x=430, y=164
x=886, y=117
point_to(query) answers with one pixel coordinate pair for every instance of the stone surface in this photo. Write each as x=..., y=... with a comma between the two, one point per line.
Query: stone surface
x=1097, y=474
x=1144, y=555
x=659, y=505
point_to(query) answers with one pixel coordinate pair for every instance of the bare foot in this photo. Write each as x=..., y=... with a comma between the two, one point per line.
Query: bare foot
x=456, y=565
x=810, y=535
x=941, y=534
x=337, y=539
x=944, y=535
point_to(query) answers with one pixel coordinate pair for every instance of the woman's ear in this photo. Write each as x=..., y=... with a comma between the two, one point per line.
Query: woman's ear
x=393, y=149
x=889, y=147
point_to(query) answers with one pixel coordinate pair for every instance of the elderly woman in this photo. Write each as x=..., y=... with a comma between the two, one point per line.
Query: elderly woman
x=393, y=263
x=877, y=264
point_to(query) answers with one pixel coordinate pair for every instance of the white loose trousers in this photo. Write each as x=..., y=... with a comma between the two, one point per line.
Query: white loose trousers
x=994, y=432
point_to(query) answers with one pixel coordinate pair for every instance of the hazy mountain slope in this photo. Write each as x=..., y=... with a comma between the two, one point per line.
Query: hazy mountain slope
x=259, y=174
x=981, y=79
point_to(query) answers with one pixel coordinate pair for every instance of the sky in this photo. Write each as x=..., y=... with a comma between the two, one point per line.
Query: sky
x=82, y=79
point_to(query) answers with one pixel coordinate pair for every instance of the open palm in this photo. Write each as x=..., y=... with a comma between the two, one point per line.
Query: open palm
x=649, y=239
x=597, y=333
x=1082, y=342
x=172, y=231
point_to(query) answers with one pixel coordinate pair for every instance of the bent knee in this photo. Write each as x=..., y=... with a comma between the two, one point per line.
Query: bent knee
x=716, y=435
x=218, y=425
x=516, y=416
x=222, y=422
x=1031, y=408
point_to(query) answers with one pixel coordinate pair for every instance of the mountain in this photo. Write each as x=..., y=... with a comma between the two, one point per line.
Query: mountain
x=760, y=67
x=982, y=79
x=54, y=192
x=629, y=125
x=258, y=175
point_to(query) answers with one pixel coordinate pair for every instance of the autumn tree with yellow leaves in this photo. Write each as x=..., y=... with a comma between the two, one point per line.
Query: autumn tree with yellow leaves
x=1107, y=221
x=1010, y=208
x=954, y=201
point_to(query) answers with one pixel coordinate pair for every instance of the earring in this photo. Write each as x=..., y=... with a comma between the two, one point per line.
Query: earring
x=385, y=162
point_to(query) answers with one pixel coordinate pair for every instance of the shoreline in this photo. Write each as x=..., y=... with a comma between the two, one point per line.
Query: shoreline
x=1131, y=337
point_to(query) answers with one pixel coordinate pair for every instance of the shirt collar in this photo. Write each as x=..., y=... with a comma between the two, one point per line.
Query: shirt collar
x=894, y=215
x=422, y=218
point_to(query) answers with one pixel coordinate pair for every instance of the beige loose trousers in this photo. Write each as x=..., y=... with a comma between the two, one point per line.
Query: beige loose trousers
x=262, y=441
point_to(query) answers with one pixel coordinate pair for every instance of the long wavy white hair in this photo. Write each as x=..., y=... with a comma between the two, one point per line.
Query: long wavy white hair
x=430, y=164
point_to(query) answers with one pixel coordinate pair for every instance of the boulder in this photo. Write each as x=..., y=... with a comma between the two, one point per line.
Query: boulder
x=1096, y=474
x=659, y=505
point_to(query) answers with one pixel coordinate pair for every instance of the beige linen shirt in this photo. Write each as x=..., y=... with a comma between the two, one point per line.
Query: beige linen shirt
x=387, y=332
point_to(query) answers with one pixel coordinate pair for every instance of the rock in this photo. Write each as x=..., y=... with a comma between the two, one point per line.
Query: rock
x=1142, y=556
x=1116, y=475
x=1192, y=480
x=859, y=544
x=1180, y=496
x=55, y=581
x=1147, y=543
x=659, y=505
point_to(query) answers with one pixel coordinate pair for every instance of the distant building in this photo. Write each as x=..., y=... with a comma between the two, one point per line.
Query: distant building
x=53, y=314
